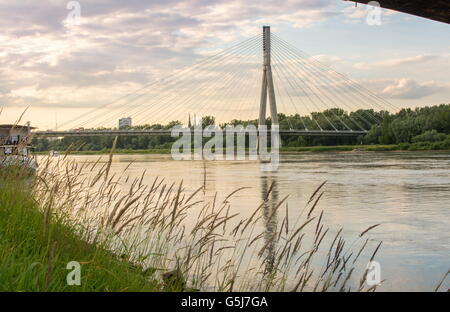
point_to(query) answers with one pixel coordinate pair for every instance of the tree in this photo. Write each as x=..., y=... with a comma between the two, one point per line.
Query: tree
x=208, y=121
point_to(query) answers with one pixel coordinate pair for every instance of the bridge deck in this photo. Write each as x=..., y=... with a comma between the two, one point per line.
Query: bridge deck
x=168, y=132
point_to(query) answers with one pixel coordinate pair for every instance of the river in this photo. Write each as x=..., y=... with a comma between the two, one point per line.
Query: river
x=407, y=193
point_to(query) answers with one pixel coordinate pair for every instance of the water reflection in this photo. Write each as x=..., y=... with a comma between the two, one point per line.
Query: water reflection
x=269, y=197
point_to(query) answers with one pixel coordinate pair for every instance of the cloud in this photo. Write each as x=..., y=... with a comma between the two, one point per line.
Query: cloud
x=411, y=60
x=411, y=89
x=123, y=42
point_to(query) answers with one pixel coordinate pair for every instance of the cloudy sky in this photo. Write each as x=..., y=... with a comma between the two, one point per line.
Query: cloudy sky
x=61, y=63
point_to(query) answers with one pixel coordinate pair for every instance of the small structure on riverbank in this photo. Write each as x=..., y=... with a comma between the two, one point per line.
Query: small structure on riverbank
x=15, y=134
x=15, y=146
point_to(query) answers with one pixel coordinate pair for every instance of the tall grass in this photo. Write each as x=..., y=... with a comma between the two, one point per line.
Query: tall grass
x=36, y=244
x=131, y=236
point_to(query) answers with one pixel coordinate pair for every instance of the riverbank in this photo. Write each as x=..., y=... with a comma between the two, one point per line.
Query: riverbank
x=367, y=148
x=77, y=213
x=300, y=149
x=38, y=249
x=155, y=224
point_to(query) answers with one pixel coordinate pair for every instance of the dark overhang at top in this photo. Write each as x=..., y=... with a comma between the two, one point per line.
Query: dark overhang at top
x=438, y=10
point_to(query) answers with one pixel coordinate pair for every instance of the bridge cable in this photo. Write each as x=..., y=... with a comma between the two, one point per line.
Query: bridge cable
x=355, y=85
x=275, y=70
x=321, y=92
x=165, y=79
x=227, y=96
x=178, y=85
x=205, y=86
x=331, y=99
x=307, y=85
x=332, y=84
x=183, y=83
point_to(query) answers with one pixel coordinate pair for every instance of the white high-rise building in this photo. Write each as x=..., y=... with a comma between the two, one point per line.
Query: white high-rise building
x=125, y=122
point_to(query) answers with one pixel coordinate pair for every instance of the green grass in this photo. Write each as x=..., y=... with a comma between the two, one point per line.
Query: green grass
x=368, y=148
x=340, y=148
x=117, y=151
x=35, y=250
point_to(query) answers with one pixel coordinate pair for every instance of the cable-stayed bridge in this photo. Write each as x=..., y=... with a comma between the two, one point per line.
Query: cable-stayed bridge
x=263, y=73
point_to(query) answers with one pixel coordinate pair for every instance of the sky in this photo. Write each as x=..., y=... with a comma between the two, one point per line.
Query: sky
x=64, y=58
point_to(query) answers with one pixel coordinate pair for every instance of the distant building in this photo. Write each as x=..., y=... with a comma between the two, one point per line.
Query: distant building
x=125, y=122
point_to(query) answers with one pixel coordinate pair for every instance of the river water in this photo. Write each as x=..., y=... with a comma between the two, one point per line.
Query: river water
x=407, y=193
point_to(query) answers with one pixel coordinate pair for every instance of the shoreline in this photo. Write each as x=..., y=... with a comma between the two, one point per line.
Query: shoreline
x=55, y=242
x=283, y=150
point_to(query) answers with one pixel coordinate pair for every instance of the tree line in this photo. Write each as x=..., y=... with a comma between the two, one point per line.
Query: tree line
x=419, y=128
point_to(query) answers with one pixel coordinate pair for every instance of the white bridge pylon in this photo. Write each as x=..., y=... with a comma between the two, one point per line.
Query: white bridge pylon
x=267, y=88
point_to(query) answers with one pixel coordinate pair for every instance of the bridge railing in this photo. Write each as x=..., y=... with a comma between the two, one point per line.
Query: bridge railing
x=164, y=132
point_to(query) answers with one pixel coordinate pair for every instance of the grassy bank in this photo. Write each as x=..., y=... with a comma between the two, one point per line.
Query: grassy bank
x=79, y=212
x=419, y=146
x=36, y=247
x=118, y=151
x=341, y=148
x=423, y=146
